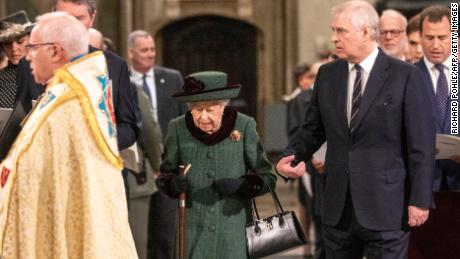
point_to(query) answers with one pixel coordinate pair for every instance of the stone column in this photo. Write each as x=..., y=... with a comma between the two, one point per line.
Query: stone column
x=3, y=8
x=126, y=25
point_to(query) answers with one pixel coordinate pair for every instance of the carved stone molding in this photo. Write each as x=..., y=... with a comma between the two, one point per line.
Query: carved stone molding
x=172, y=8
x=245, y=8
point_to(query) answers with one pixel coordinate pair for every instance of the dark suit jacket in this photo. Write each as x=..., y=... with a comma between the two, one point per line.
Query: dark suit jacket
x=449, y=167
x=387, y=163
x=168, y=82
x=296, y=110
x=124, y=101
x=428, y=84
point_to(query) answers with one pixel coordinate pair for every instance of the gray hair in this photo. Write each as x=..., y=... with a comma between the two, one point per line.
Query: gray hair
x=65, y=30
x=394, y=13
x=362, y=15
x=136, y=34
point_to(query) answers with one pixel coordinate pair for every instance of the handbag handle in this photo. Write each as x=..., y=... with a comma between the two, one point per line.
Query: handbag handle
x=279, y=208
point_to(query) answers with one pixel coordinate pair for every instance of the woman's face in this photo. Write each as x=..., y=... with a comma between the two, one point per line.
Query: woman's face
x=207, y=116
x=15, y=49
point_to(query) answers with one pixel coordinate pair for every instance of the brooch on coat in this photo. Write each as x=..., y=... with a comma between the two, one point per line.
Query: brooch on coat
x=235, y=135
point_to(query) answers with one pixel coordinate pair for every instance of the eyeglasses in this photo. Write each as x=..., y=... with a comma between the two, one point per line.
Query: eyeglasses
x=393, y=33
x=32, y=47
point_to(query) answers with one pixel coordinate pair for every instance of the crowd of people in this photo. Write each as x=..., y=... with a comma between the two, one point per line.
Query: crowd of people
x=91, y=147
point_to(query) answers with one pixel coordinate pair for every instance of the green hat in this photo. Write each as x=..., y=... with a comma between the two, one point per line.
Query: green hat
x=207, y=86
x=14, y=26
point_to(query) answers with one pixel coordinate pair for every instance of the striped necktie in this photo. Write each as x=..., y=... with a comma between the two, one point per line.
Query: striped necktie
x=442, y=93
x=356, y=101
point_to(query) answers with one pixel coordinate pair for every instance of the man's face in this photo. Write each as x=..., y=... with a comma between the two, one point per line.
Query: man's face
x=392, y=37
x=79, y=11
x=415, y=52
x=435, y=38
x=15, y=49
x=143, y=54
x=348, y=42
x=39, y=57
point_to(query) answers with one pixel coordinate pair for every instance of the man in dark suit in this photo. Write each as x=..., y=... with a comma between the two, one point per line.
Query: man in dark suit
x=378, y=125
x=158, y=83
x=436, y=45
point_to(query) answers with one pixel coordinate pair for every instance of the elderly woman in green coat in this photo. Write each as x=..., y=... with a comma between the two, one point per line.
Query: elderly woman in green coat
x=229, y=166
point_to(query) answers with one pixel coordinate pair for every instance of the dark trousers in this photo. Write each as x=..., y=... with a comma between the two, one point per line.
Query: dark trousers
x=349, y=240
x=320, y=252
x=124, y=173
x=162, y=226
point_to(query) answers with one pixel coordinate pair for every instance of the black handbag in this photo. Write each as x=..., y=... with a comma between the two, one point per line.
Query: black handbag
x=274, y=234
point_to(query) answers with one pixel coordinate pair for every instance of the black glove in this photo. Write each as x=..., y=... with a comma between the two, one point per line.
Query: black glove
x=178, y=184
x=229, y=186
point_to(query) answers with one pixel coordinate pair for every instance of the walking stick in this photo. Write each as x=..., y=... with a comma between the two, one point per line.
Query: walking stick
x=183, y=170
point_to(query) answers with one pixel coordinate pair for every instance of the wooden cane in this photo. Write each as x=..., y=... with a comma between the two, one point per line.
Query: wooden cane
x=183, y=170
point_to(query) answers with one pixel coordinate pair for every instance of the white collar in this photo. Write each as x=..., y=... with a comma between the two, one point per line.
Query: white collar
x=138, y=74
x=447, y=63
x=368, y=62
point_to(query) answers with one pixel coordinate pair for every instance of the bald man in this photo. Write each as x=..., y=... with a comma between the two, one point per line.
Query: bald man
x=96, y=39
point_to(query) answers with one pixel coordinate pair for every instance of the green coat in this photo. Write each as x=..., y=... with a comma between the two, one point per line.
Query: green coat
x=215, y=227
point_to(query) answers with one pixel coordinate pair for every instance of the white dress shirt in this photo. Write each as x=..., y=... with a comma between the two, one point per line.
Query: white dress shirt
x=434, y=72
x=366, y=67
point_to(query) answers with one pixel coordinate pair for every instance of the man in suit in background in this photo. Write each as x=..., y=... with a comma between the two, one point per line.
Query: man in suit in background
x=393, y=39
x=436, y=68
x=374, y=115
x=161, y=82
x=158, y=84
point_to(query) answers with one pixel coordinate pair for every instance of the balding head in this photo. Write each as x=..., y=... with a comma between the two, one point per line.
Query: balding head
x=96, y=39
x=55, y=40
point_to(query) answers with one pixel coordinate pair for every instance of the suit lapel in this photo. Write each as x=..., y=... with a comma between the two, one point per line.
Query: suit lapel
x=376, y=80
x=428, y=83
x=342, y=99
x=159, y=83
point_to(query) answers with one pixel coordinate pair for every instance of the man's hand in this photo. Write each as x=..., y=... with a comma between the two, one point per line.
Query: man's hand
x=318, y=165
x=417, y=216
x=456, y=159
x=285, y=168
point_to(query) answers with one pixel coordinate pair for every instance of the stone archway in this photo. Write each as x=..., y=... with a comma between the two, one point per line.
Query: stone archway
x=215, y=43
